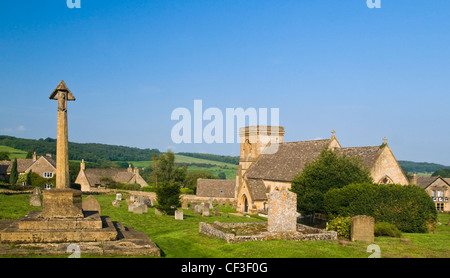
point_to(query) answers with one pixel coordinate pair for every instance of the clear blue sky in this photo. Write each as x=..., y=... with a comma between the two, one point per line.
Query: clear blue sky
x=326, y=64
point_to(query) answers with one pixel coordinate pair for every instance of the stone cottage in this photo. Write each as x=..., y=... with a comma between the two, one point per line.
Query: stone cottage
x=91, y=178
x=438, y=188
x=44, y=166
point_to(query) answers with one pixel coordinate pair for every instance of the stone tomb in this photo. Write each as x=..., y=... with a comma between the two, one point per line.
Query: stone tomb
x=281, y=224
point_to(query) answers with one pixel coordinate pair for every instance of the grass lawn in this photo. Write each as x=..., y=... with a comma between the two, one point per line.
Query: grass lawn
x=181, y=239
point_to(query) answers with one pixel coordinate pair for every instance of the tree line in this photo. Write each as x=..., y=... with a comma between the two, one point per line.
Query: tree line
x=93, y=152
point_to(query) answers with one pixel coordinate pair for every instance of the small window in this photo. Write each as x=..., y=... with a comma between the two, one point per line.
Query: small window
x=48, y=175
x=48, y=186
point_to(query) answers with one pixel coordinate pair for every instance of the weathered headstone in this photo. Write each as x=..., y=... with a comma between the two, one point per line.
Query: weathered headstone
x=35, y=198
x=140, y=209
x=148, y=202
x=184, y=204
x=116, y=203
x=119, y=197
x=179, y=215
x=282, y=213
x=198, y=209
x=157, y=212
x=91, y=204
x=216, y=212
x=205, y=211
x=362, y=228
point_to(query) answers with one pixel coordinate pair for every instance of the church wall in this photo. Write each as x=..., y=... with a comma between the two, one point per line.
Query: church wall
x=387, y=166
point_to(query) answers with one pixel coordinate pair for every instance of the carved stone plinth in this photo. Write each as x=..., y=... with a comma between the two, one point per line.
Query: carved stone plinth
x=62, y=203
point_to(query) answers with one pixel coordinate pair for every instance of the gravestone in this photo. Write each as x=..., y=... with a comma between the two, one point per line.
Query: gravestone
x=157, y=212
x=140, y=209
x=91, y=204
x=118, y=197
x=282, y=213
x=198, y=209
x=205, y=211
x=179, y=215
x=35, y=198
x=148, y=202
x=116, y=203
x=184, y=204
x=216, y=212
x=362, y=228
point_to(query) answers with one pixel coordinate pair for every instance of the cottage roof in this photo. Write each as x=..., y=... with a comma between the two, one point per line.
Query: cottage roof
x=424, y=182
x=215, y=188
x=289, y=161
x=119, y=175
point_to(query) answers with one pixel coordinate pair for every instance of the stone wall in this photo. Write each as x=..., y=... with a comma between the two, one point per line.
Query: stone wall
x=303, y=233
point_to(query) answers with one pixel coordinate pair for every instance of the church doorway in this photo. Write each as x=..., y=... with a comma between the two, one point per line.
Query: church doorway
x=245, y=203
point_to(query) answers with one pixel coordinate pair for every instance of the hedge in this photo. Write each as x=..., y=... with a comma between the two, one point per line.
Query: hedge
x=409, y=207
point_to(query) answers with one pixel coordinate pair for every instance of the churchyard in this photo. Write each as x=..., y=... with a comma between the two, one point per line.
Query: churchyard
x=181, y=238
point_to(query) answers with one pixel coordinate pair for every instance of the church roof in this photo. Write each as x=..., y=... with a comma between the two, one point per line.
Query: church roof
x=368, y=155
x=257, y=189
x=215, y=188
x=288, y=162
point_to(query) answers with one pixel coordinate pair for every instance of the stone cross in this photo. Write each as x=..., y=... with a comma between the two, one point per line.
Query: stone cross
x=62, y=94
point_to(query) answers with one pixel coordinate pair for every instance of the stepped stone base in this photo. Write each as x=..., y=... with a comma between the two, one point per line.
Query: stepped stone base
x=32, y=228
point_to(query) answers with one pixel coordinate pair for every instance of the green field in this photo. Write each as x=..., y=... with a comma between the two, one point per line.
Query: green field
x=13, y=153
x=181, y=239
x=216, y=166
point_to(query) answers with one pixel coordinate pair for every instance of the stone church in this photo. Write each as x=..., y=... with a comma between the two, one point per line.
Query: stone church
x=261, y=172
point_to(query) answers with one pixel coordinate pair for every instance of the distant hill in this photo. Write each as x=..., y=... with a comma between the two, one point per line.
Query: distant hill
x=421, y=167
x=92, y=152
x=97, y=153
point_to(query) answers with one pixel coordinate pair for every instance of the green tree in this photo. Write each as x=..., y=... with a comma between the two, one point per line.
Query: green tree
x=4, y=156
x=168, y=195
x=445, y=173
x=327, y=172
x=14, y=175
x=193, y=176
x=222, y=176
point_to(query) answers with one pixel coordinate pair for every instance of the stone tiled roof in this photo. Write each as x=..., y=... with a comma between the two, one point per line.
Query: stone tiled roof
x=368, y=155
x=119, y=175
x=215, y=188
x=424, y=182
x=289, y=161
x=257, y=189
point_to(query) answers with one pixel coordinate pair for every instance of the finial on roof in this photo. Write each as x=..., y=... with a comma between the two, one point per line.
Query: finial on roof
x=385, y=140
x=333, y=132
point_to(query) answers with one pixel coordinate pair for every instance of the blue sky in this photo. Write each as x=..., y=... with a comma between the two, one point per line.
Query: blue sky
x=326, y=64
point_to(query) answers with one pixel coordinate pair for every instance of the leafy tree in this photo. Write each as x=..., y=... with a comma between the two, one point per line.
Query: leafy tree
x=168, y=195
x=164, y=169
x=222, y=176
x=4, y=156
x=14, y=175
x=29, y=155
x=408, y=207
x=445, y=173
x=328, y=171
x=193, y=176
